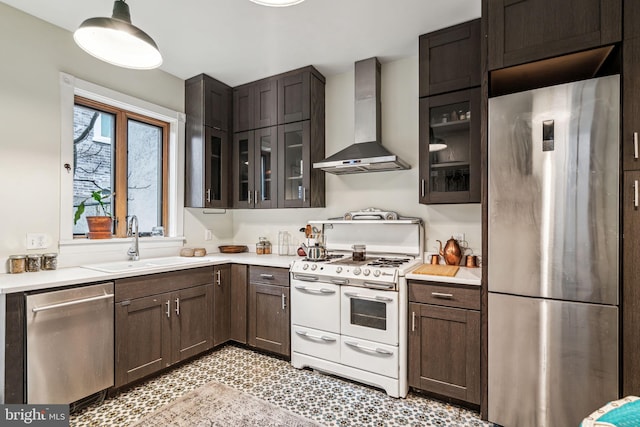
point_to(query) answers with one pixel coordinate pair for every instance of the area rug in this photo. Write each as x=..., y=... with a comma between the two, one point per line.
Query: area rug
x=216, y=404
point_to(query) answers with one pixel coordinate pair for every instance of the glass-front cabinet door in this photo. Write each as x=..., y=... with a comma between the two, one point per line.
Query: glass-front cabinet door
x=243, y=159
x=450, y=148
x=294, y=174
x=265, y=166
x=216, y=168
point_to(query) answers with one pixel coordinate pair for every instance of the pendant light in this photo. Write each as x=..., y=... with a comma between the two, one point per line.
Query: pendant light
x=277, y=3
x=435, y=143
x=116, y=41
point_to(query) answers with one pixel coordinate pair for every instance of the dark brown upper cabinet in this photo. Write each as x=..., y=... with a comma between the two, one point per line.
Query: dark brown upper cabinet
x=449, y=148
x=207, y=144
x=450, y=59
x=294, y=98
x=631, y=19
x=522, y=31
x=255, y=168
x=265, y=97
x=243, y=108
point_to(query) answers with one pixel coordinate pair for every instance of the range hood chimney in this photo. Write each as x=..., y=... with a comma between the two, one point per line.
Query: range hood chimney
x=367, y=154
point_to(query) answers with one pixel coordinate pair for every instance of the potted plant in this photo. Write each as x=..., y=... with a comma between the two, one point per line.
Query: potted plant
x=100, y=226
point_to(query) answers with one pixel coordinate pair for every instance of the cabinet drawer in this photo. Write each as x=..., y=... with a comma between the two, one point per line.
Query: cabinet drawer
x=269, y=275
x=444, y=294
x=153, y=284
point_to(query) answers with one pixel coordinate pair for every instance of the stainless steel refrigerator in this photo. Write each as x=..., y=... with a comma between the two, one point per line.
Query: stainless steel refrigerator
x=553, y=253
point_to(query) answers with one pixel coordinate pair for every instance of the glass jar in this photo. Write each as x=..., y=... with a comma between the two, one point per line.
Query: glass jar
x=49, y=261
x=33, y=263
x=267, y=247
x=260, y=246
x=359, y=252
x=17, y=264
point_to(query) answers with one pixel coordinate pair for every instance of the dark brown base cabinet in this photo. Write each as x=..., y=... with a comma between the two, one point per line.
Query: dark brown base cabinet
x=238, y=305
x=221, y=303
x=268, y=314
x=161, y=319
x=444, y=340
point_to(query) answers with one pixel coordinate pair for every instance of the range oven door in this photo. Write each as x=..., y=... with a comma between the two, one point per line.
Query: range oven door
x=315, y=304
x=369, y=314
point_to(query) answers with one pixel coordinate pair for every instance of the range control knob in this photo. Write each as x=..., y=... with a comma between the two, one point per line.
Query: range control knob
x=313, y=266
x=376, y=273
x=366, y=272
x=305, y=266
x=338, y=269
x=356, y=271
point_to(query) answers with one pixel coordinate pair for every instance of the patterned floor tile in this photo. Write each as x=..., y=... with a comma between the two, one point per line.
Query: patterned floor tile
x=328, y=400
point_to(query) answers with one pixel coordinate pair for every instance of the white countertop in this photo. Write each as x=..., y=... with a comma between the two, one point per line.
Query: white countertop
x=11, y=283
x=464, y=276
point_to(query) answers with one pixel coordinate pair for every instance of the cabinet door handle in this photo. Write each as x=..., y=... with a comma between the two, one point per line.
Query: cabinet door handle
x=422, y=187
x=635, y=193
x=304, y=194
x=208, y=195
x=168, y=308
x=635, y=145
x=442, y=295
x=255, y=197
x=249, y=197
x=266, y=276
x=178, y=306
x=218, y=280
x=284, y=302
x=413, y=321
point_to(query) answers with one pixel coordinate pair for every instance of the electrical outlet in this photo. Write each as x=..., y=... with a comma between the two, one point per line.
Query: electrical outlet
x=208, y=235
x=38, y=240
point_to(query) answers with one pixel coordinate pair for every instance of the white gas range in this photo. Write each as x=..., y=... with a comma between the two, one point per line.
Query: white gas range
x=349, y=318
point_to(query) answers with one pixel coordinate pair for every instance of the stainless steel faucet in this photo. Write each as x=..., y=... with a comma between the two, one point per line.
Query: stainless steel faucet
x=134, y=250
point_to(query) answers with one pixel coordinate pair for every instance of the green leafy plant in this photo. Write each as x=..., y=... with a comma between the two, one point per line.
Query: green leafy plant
x=99, y=196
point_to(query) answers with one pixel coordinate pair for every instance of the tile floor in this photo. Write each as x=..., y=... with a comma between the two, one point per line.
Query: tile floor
x=328, y=400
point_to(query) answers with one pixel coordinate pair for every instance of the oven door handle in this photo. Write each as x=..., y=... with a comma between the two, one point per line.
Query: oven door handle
x=315, y=337
x=378, y=285
x=376, y=298
x=306, y=278
x=368, y=349
x=315, y=291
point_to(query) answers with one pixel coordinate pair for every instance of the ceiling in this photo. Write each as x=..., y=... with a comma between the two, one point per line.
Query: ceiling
x=237, y=41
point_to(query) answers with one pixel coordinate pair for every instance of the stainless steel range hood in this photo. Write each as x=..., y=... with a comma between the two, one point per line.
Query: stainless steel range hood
x=367, y=154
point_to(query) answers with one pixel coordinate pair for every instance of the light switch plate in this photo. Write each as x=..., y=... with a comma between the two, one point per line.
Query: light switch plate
x=38, y=240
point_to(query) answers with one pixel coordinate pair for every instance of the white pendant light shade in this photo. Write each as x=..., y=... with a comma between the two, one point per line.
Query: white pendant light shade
x=116, y=41
x=277, y=3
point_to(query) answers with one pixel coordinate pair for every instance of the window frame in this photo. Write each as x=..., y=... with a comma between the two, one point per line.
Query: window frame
x=86, y=249
x=120, y=169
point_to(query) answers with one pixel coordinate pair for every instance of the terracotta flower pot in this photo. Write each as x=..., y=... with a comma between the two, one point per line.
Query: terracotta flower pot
x=100, y=227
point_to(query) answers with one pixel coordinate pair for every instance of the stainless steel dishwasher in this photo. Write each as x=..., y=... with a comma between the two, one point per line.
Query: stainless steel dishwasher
x=69, y=343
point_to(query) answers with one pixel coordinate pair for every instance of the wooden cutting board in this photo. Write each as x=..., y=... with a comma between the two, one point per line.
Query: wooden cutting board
x=437, y=270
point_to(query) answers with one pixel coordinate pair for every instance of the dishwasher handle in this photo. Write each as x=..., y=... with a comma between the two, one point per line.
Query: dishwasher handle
x=74, y=302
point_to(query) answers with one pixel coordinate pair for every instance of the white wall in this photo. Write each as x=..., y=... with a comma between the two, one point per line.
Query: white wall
x=33, y=54
x=396, y=190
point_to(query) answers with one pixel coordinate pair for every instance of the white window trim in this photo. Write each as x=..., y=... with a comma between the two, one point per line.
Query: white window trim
x=71, y=86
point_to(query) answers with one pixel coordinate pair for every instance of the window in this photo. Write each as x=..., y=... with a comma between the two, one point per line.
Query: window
x=124, y=155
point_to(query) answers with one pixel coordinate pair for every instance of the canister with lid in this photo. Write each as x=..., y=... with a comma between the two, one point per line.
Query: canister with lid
x=50, y=261
x=33, y=262
x=17, y=264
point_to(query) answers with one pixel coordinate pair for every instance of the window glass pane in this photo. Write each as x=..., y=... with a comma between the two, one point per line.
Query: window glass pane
x=144, y=176
x=93, y=163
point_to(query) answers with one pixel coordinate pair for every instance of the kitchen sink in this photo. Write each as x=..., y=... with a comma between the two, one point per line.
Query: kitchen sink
x=145, y=264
